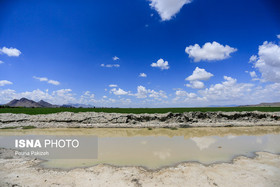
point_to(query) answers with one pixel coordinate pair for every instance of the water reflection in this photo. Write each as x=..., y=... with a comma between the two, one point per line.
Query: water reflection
x=164, y=147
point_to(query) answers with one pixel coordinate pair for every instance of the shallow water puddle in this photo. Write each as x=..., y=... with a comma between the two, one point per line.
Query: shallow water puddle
x=158, y=148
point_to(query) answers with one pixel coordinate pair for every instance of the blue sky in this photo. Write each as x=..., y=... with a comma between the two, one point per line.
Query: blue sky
x=142, y=53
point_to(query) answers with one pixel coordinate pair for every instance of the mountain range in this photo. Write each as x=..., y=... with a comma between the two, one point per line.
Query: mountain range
x=275, y=104
x=23, y=102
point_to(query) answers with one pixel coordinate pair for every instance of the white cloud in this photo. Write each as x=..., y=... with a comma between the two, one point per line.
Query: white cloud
x=253, y=58
x=62, y=96
x=199, y=74
x=142, y=92
x=1, y=62
x=278, y=36
x=110, y=65
x=161, y=64
x=209, y=51
x=183, y=97
x=88, y=94
x=5, y=82
x=10, y=51
x=37, y=95
x=182, y=93
x=53, y=82
x=41, y=78
x=253, y=74
x=6, y=96
x=268, y=93
x=87, y=98
x=142, y=75
x=113, y=85
x=125, y=101
x=196, y=84
x=116, y=58
x=118, y=91
x=159, y=94
x=45, y=79
x=227, y=91
x=112, y=100
x=268, y=61
x=196, y=78
x=168, y=8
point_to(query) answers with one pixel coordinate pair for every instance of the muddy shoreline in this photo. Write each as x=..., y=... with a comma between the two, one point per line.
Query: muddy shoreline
x=262, y=170
x=116, y=120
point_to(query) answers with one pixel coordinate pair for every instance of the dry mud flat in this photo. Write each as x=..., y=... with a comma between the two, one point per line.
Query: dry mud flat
x=187, y=119
x=263, y=170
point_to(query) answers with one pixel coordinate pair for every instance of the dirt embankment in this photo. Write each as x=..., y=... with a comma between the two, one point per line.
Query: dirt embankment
x=187, y=119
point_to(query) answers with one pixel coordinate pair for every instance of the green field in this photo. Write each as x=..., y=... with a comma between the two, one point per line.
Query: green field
x=135, y=110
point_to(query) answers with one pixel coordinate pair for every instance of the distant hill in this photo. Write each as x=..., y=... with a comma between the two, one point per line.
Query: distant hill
x=275, y=104
x=23, y=102
x=81, y=105
x=46, y=104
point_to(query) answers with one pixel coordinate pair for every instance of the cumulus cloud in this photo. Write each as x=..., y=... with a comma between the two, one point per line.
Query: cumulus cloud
x=278, y=36
x=62, y=96
x=110, y=65
x=161, y=64
x=267, y=93
x=87, y=93
x=196, y=84
x=196, y=78
x=253, y=74
x=5, y=82
x=182, y=93
x=53, y=82
x=184, y=97
x=87, y=97
x=116, y=58
x=209, y=51
x=113, y=85
x=45, y=79
x=118, y=91
x=253, y=58
x=268, y=61
x=142, y=75
x=10, y=51
x=168, y=8
x=199, y=74
x=142, y=92
x=1, y=62
x=228, y=90
x=41, y=78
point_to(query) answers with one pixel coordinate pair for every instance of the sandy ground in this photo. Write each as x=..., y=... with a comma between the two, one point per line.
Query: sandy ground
x=263, y=170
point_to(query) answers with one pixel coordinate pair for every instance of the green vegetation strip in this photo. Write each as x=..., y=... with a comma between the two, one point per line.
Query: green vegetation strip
x=135, y=110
